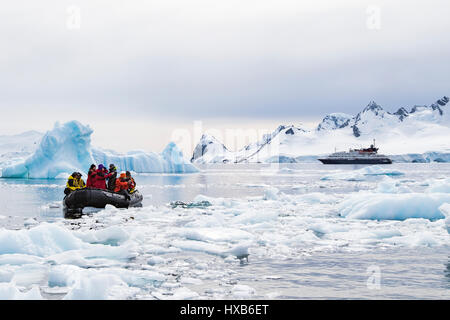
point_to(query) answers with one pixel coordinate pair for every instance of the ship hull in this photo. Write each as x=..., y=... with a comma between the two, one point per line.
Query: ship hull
x=356, y=161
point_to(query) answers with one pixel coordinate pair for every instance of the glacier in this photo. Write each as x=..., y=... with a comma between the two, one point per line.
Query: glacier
x=418, y=135
x=67, y=148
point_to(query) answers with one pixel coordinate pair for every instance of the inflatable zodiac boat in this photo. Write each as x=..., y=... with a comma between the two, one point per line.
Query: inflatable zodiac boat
x=77, y=200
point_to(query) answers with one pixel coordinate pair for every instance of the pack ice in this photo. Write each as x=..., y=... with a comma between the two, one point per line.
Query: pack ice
x=362, y=174
x=67, y=148
x=392, y=201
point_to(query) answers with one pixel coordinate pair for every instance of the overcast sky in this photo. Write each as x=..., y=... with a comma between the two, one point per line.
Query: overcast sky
x=138, y=70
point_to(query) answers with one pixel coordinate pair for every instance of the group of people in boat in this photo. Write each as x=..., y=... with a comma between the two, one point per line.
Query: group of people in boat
x=102, y=178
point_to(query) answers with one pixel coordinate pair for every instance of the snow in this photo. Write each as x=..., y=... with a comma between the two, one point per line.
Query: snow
x=423, y=135
x=210, y=146
x=67, y=148
x=334, y=121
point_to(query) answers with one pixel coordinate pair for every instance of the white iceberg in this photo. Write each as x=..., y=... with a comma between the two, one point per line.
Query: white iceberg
x=389, y=185
x=386, y=206
x=439, y=185
x=362, y=174
x=67, y=148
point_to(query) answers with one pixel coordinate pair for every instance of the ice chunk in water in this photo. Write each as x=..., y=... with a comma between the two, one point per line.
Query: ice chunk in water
x=8, y=291
x=385, y=206
x=445, y=209
x=271, y=194
x=361, y=174
x=440, y=186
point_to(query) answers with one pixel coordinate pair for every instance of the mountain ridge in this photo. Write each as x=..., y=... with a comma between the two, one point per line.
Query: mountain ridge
x=422, y=124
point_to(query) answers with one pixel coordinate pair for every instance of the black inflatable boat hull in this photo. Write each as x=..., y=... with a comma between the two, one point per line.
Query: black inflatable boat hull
x=99, y=198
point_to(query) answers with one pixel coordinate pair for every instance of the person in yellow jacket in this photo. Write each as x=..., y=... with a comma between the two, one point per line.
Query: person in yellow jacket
x=74, y=182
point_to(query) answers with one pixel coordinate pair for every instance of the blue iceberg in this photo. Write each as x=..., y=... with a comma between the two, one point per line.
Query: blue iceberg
x=171, y=160
x=67, y=148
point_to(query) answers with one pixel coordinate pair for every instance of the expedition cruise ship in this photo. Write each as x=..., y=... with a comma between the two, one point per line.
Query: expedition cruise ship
x=357, y=156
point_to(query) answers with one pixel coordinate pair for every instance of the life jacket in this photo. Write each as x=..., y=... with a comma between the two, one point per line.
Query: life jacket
x=112, y=180
x=74, y=184
x=120, y=185
x=132, y=187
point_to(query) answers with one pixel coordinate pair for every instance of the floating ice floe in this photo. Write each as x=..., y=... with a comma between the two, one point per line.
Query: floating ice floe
x=9, y=291
x=439, y=185
x=392, y=201
x=389, y=185
x=271, y=194
x=385, y=206
x=445, y=209
x=362, y=174
x=184, y=253
x=242, y=291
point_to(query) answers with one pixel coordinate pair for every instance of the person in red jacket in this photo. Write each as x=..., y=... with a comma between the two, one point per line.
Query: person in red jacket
x=100, y=177
x=122, y=183
x=91, y=176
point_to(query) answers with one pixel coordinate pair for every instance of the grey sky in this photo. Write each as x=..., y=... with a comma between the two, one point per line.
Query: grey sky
x=162, y=64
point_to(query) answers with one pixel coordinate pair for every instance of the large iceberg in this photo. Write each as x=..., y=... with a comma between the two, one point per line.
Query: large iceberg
x=171, y=160
x=67, y=148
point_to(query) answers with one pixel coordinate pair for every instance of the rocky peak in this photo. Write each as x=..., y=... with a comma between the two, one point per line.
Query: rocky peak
x=334, y=121
x=202, y=147
x=374, y=107
x=402, y=113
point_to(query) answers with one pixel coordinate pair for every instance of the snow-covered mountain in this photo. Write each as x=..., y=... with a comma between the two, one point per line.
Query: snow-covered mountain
x=210, y=146
x=16, y=147
x=420, y=134
x=334, y=121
